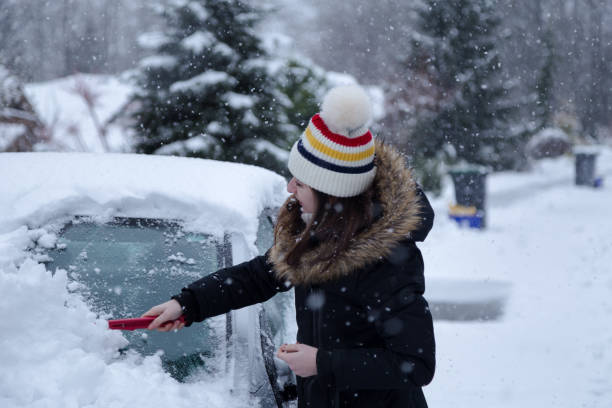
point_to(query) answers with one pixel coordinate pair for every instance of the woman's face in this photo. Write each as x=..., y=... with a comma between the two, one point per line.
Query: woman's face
x=304, y=194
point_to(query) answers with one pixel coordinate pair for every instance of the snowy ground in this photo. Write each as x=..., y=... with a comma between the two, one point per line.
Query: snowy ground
x=548, y=239
x=553, y=346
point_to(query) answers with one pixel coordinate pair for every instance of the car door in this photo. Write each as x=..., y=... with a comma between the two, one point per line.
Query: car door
x=277, y=321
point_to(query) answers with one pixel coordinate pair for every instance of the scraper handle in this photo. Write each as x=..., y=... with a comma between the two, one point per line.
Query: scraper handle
x=136, y=323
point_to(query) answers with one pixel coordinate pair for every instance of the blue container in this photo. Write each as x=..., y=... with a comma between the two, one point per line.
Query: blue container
x=598, y=182
x=470, y=221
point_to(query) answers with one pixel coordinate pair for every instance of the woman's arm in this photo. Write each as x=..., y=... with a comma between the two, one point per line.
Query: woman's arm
x=230, y=288
x=427, y=216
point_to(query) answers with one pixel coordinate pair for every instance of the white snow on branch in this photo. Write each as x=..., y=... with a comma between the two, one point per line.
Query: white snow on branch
x=255, y=64
x=158, y=61
x=201, y=81
x=281, y=155
x=198, y=10
x=198, y=41
x=249, y=118
x=152, y=40
x=224, y=49
x=239, y=101
x=183, y=147
x=218, y=128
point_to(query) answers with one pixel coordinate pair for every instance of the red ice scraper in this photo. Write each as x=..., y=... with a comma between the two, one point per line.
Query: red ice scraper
x=135, y=323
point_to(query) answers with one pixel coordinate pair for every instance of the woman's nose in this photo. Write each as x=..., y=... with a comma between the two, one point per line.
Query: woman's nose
x=291, y=186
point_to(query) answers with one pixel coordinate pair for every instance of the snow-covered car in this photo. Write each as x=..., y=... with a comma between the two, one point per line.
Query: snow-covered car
x=120, y=233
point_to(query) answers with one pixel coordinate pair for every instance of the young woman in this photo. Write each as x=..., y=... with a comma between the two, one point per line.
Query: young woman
x=345, y=242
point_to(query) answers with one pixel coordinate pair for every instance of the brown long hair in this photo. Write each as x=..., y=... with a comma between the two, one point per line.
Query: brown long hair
x=335, y=223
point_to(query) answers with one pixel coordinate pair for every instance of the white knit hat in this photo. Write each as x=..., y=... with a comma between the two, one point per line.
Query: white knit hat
x=335, y=154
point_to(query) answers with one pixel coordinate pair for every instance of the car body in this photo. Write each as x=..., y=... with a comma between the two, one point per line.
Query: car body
x=131, y=230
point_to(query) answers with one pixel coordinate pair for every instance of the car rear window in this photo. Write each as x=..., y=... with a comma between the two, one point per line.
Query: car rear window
x=125, y=266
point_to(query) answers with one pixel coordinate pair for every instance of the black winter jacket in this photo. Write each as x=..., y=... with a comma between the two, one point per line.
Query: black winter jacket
x=366, y=313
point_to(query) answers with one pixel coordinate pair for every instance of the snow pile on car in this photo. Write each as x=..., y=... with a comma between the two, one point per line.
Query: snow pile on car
x=207, y=196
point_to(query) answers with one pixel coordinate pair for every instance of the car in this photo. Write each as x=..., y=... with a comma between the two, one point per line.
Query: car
x=130, y=230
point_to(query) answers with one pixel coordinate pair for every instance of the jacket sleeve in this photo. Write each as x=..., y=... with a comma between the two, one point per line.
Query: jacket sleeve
x=406, y=357
x=230, y=288
x=427, y=214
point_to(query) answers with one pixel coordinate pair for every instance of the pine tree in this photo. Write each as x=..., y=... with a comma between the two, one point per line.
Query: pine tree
x=206, y=91
x=471, y=117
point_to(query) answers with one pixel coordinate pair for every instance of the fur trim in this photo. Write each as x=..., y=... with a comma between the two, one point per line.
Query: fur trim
x=396, y=191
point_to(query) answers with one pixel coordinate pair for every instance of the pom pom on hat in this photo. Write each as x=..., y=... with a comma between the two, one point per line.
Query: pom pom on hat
x=335, y=154
x=346, y=110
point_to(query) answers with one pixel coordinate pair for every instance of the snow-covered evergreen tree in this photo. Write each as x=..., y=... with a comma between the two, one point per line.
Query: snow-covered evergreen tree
x=207, y=91
x=471, y=116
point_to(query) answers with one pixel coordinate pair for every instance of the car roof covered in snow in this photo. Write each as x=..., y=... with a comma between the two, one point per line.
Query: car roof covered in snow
x=208, y=196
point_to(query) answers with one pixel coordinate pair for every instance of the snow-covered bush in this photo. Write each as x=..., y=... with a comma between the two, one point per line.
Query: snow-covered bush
x=548, y=142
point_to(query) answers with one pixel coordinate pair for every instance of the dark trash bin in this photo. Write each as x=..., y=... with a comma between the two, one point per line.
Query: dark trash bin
x=585, y=169
x=470, y=191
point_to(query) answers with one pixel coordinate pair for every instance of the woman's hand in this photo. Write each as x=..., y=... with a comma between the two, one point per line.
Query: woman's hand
x=302, y=359
x=166, y=314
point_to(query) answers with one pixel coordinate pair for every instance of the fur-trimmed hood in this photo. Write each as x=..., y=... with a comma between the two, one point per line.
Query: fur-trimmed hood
x=397, y=195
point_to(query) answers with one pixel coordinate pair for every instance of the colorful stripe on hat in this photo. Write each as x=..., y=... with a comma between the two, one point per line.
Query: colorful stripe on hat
x=318, y=123
x=336, y=152
x=330, y=166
